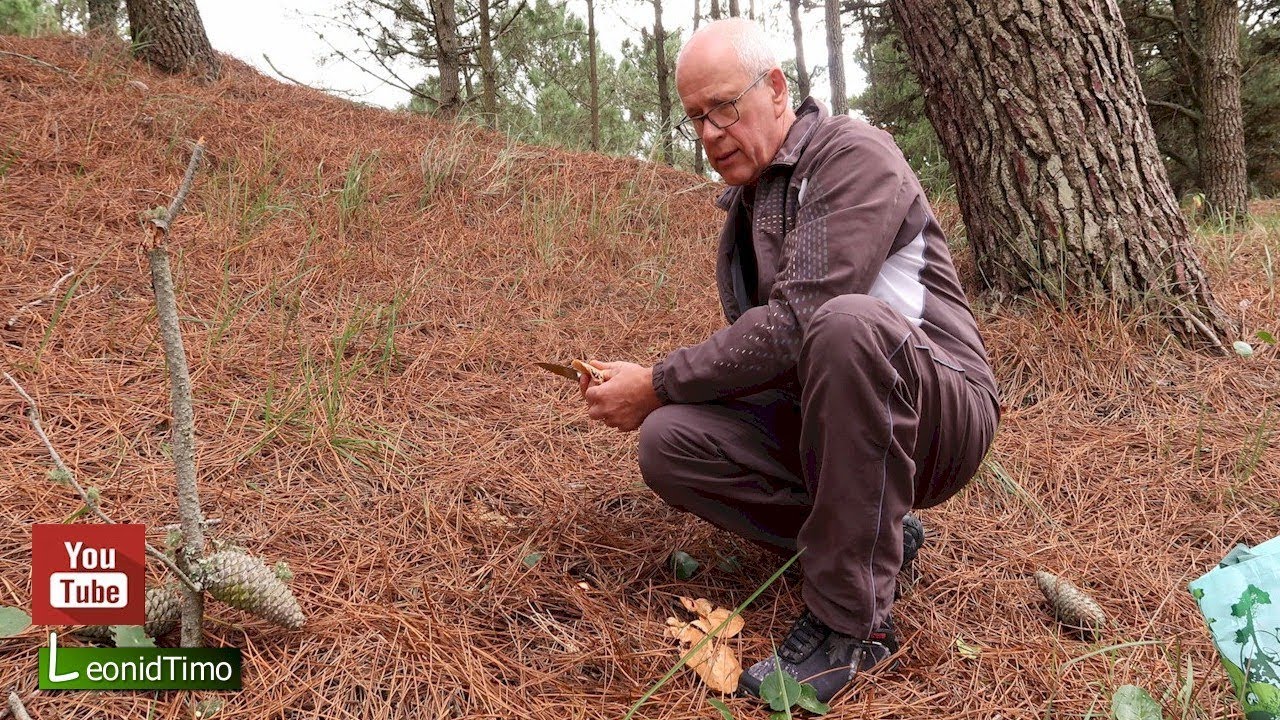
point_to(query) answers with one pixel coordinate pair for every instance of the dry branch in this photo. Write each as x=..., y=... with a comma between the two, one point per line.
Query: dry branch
x=191, y=547
x=33, y=414
x=19, y=710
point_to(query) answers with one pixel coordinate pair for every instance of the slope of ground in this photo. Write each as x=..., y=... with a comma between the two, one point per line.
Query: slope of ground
x=362, y=294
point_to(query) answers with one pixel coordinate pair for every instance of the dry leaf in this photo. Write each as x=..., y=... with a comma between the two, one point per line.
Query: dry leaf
x=714, y=662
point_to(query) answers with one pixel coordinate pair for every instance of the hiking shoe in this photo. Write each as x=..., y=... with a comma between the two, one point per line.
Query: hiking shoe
x=912, y=539
x=815, y=654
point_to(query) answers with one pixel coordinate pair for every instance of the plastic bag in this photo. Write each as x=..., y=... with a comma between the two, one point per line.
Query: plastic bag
x=1240, y=600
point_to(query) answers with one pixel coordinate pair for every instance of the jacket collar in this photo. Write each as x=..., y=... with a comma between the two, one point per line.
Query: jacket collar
x=809, y=116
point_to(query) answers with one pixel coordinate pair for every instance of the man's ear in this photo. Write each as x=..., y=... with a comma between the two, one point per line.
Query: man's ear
x=778, y=92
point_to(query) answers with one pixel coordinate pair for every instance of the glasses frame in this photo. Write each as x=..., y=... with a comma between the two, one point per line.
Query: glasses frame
x=691, y=127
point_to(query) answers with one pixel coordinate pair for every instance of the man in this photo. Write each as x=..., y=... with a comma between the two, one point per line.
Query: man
x=851, y=384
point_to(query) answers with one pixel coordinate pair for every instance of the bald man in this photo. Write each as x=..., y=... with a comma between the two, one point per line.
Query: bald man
x=851, y=384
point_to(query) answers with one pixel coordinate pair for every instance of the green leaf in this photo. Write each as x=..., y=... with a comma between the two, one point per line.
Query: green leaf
x=683, y=564
x=1266, y=337
x=1131, y=702
x=724, y=709
x=780, y=715
x=131, y=636
x=13, y=621
x=779, y=689
x=532, y=559
x=1242, y=348
x=809, y=701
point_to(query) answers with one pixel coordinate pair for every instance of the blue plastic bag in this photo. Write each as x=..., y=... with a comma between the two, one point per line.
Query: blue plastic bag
x=1240, y=600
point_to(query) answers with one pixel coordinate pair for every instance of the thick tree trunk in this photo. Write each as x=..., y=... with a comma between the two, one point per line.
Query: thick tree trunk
x=1038, y=106
x=488, y=74
x=1222, y=160
x=448, y=57
x=664, y=92
x=170, y=35
x=802, y=71
x=103, y=16
x=835, y=59
x=698, y=165
x=734, y=10
x=715, y=10
x=593, y=75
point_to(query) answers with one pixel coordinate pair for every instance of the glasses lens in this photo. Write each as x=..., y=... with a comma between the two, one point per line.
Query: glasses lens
x=722, y=116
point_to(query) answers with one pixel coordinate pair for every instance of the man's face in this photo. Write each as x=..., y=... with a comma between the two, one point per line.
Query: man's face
x=710, y=75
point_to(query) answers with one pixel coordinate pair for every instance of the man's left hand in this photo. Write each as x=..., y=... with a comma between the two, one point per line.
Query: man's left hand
x=625, y=398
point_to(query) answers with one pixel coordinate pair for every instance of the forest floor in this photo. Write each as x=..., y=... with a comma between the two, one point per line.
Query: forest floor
x=362, y=295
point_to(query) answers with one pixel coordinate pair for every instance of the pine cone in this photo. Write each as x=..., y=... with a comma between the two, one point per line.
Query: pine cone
x=243, y=581
x=163, y=607
x=1071, y=605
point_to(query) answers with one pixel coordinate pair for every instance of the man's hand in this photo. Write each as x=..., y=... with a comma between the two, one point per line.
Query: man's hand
x=624, y=399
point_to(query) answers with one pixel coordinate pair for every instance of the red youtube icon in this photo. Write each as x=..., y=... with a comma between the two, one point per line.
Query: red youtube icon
x=88, y=574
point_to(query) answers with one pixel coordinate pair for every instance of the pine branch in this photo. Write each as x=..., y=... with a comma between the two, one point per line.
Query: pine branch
x=19, y=710
x=191, y=549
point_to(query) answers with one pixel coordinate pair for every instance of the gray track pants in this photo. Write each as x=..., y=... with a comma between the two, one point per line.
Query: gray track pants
x=882, y=425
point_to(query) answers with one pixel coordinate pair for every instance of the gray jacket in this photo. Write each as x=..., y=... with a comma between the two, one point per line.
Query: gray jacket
x=838, y=211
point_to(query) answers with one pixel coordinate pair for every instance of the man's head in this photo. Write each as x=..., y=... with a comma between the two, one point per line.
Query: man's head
x=727, y=76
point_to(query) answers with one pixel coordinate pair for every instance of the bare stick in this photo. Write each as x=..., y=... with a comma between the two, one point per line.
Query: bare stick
x=37, y=61
x=33, y=414
x=40, y=300
x=191, y=548
x=19, y=710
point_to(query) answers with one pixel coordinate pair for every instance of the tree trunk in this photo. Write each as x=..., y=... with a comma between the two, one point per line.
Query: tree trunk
x=802, y=72
x=715, y=10
x=488, y=75
x=1222, y=159
x=734, y=10
x=698, y=167
x=835, y=59
x=170, y=35
x=1038, y=107
x=593, y=75
x=664, y=93
x=448, y=57
x=103, y=16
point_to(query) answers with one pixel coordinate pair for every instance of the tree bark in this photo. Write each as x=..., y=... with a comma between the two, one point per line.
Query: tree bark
x=664, y=92
x=170, y=35
x=1222, y=159
x=734, y=10
x=448, y=57
x=797, y=34
x=835, y=58
x=715, y=10
x=488, y=75
x=593, y=75
x=1039, y=109
x=103, y=16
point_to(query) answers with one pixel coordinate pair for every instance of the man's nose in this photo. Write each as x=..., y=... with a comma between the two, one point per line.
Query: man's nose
x=710, y=133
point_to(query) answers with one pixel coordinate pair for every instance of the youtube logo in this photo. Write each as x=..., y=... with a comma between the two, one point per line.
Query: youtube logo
x=88, y=574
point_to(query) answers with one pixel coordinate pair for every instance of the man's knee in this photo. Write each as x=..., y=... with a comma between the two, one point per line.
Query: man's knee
x=860, y=321
x=662, y=435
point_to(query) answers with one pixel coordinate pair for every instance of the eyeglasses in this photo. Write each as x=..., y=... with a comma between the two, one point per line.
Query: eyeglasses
x=721, y=116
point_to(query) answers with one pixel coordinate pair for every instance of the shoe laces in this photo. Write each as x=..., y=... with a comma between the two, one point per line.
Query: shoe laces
x=804, y=637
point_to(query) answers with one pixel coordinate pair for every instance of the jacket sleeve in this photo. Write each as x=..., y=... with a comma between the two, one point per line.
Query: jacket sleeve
x=856, y=195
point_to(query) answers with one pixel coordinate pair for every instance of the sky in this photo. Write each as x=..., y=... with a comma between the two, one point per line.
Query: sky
x=288, y=32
